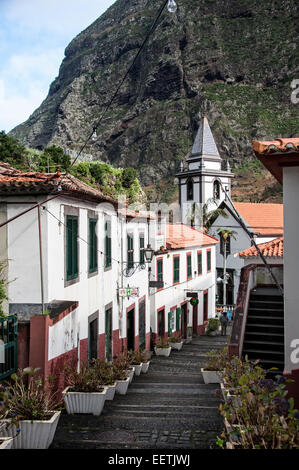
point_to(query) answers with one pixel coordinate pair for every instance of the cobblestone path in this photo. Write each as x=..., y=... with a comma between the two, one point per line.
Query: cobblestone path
x=170, y=407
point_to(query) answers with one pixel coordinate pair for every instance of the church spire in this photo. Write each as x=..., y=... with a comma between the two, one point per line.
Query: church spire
x=204, y=143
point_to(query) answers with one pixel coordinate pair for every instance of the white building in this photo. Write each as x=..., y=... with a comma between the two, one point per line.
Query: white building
x=264, y=223
x=73, y=268
x=186, y=265
x=281, y=158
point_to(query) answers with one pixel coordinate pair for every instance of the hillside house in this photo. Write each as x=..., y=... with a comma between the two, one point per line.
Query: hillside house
x=186, y=265
x=68, y=261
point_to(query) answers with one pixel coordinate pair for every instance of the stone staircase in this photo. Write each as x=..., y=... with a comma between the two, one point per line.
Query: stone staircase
x=264, y=334
x=169, y=407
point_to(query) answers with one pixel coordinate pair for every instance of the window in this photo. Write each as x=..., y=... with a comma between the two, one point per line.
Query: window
x=209, y=267
x=71, y=247
x=176, y=269
x=189, y=266
x=199, y=262
x=141, y=248
x=190, y=190
x=93, y=246
x=130, y=245
x=160, y=270
x=108, y=244
x=171, y=322
x=216, y=190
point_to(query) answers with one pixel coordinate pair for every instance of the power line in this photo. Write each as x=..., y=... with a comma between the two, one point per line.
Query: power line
x=95, y=127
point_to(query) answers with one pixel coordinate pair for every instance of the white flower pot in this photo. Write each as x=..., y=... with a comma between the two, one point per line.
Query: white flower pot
x=84, y=403
x=145, y=366
x=111, y=391
x=162, y=351
x=122, y=386
x=131, y=373
x=177, y=346
x=6, y=443
x=211, y=376
x=138, y=368
x=34, y=434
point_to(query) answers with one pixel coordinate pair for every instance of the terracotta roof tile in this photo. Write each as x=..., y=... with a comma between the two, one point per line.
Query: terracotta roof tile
x=16, y=181
x=277, y=154
x=183, y=236
x=266, y=219
x=272, y=249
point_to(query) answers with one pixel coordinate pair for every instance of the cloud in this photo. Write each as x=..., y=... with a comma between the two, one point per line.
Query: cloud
x=33, y=36
x=15, y=107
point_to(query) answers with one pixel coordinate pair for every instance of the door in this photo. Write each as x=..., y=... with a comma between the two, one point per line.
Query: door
x=195, y=319
x=142, y=324
x=205, y=307
x=184, y=321
x=93, y=339
x=131, y=329
x=161, y=321
x=108, y=334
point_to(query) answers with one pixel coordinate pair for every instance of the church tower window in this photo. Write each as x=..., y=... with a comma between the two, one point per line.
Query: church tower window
x=190, y=190
x=216, y=190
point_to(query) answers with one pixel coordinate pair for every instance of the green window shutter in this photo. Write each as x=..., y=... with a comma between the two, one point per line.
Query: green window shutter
x=178, y=318
x=141, y=249
x=108, y=244
x=71, y=247
x=130, y=251
x=189, y=266
x=169, y=323
x=93, y=246
x=176, y=270
x=199, y=262
x=160, y=270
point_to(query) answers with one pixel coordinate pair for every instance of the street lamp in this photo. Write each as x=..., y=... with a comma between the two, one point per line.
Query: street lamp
x=149, y=254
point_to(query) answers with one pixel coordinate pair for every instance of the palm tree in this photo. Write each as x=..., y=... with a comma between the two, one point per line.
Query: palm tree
x=226, y=235
x=205, y=213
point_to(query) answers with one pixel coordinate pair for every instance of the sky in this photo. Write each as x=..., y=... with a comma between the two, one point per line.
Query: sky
x=33, y=37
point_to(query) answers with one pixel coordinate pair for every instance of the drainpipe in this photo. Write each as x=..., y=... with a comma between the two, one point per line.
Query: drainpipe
x=224, y=273
x=41, y=260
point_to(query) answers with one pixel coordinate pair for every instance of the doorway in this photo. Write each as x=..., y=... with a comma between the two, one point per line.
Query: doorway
x=93, y=337
x=205, y=306
x=184, y=320
x=195, y=319
x=161, y=323
x=108, y=334
x=142, y=324
x=131, y=329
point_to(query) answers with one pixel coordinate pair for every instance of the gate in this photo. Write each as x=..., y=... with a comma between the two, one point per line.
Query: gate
x=8, y=345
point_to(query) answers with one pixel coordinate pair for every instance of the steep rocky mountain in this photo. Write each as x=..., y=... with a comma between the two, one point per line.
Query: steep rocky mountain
x=233, y=60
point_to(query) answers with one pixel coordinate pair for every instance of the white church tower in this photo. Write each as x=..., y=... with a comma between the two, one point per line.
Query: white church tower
x=204, y=176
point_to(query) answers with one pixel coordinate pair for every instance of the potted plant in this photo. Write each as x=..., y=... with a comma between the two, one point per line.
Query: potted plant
x=212, y=326
x=29, y=411
x=106, y=376
x=121, y=375
x=162, y=347
x=176, y=342
x=84, y=393
x=124, y=362
x=212, y=371
x=136, y=361
x=145, y=357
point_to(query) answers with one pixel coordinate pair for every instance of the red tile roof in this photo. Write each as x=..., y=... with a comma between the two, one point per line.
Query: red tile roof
x=277, y=154
x=183, y=236
x=265, y=219
x=273, y=249
x=13, y=181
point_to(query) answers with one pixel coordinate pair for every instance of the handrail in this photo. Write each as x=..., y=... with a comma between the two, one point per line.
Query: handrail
x=240, y=315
